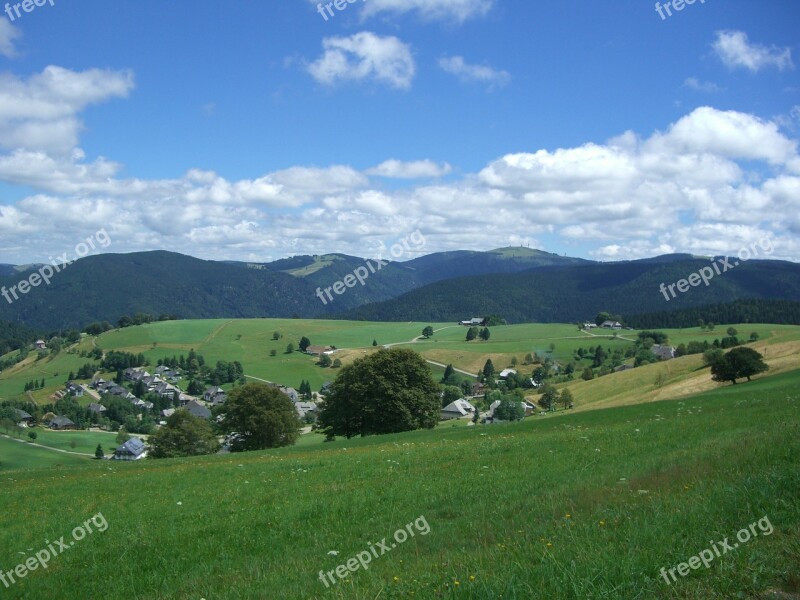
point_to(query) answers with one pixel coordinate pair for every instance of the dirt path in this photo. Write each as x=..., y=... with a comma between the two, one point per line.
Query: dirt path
x=217, y=331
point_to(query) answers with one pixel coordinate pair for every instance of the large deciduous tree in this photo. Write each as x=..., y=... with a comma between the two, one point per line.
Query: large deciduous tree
x=261, y=417
x=739, y=362
x=387, y=392
x=183, y=435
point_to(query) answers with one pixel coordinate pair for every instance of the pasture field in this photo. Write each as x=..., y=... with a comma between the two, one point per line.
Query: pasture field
x=250, y=341
x=16, y=456
x=85, y=441
x=586, y=505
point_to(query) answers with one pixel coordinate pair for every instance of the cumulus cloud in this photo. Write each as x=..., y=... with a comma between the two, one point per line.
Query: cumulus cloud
x=735, y=51
x=8, y=36
x=456, y=65
x=365, y=56
x=706, y=184
x=430, y=10
x=419, y=169
x=41, y=113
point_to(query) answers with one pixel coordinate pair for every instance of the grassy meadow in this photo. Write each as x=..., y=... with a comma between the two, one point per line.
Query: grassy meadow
x=587, y=505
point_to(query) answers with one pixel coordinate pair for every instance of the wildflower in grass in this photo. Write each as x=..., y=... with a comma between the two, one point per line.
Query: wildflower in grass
x=567, y=516
x=472, y=577
x=395, y=579
x=456, y=583
x=602, y=523
x=549, y=545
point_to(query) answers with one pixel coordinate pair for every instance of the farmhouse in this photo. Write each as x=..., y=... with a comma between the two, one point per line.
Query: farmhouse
x=73, y=389
x=197, y=409
x=96, y=408
x=474, y=322
x=133, y=449
x=456, y=410
x=62, y=424
x=663, y=352
x=215, y=395
x=611, y=325
x=320, y=350
x=23, y=418
x=40, y=345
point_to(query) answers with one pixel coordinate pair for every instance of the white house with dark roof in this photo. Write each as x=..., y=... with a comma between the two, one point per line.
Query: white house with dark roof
x=457, y=409
x=133, y=449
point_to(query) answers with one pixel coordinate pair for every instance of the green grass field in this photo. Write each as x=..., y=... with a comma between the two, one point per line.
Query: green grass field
x=16, y=455
x=586, y=505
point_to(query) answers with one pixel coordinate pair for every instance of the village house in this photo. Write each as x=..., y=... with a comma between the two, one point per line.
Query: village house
x=40, y=345
x=24, y=419
x=320, y=350
x=74, y=389
x=611, y=325
x=474, y=322
x=62, y=424
x=663, y=352
x=133, y=449
x=96, y=408
x=456, y=410
x=197, y=409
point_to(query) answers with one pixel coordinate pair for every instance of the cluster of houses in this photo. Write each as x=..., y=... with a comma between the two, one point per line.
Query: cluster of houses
x=604, y=325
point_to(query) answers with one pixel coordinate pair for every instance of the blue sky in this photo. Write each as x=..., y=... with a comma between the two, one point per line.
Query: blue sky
x=254, y=131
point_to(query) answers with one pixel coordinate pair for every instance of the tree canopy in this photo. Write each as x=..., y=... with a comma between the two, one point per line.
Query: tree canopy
x=387, y=392
x=183, y=435
x=260, y=417
x=739, y=362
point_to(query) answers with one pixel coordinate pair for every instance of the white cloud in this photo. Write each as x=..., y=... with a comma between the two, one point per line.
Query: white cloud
x=430, y=10
x=40, y=113
x=735, y=50
x=455, y=65
x=704, y=184
x=707, y=87
x=419, y=169
x=365, y=56
x=8, y=36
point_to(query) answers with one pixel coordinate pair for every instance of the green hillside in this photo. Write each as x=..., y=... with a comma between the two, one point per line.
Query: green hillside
x=586, y=505
x=578, y=292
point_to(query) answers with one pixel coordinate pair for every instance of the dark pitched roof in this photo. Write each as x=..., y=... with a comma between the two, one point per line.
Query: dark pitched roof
x=133, y=446
x=198, y=410
x=62, y=421
x=21, y=414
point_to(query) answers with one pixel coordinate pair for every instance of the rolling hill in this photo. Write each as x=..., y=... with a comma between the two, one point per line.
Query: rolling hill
x=578, y=292
x=521, y=284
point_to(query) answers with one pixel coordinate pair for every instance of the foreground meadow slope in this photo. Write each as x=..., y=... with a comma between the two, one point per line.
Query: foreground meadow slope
x=590, y=505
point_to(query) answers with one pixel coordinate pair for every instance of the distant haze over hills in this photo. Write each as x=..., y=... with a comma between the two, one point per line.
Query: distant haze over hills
x=520, y=284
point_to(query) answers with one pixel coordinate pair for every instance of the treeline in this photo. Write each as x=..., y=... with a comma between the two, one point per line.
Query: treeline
x=143, y=318
x=778, y=312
